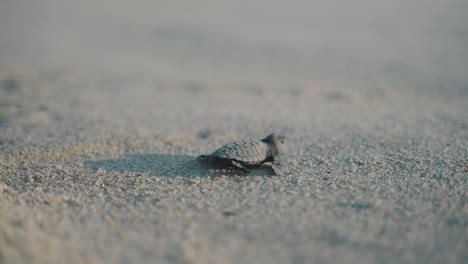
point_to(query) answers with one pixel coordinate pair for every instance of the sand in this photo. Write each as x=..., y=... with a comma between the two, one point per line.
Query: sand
x=379, y=178
x=98, y=140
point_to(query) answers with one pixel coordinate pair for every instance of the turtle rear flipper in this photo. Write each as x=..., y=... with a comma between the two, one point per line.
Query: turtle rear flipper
x=203, y=158
x=239, y=166
x=209, y=159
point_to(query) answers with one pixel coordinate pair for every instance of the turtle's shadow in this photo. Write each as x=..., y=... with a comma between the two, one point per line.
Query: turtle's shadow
x=168, y=165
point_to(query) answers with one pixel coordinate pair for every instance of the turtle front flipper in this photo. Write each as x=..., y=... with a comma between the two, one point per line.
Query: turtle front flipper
x=240, y=167
x=280, y=165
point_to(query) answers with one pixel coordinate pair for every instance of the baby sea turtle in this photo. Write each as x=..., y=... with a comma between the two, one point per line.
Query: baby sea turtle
x=248, y=152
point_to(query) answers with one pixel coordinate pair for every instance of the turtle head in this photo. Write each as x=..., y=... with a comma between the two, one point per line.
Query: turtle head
x=276, y=141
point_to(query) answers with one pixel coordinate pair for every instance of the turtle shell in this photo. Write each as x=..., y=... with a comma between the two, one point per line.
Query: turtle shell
x=249, y=151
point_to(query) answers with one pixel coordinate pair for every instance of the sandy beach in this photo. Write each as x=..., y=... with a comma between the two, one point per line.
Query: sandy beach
x=103, y=112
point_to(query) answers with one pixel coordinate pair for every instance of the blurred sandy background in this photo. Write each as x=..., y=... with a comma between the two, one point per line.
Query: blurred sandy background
x=105, y=104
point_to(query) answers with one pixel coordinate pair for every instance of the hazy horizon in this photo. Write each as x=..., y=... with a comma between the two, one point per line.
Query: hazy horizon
x=422, y=43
